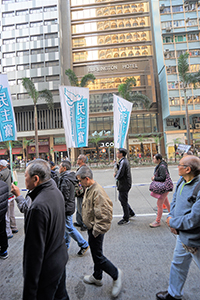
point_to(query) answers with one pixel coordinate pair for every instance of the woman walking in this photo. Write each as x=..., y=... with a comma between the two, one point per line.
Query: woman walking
x=160, y=187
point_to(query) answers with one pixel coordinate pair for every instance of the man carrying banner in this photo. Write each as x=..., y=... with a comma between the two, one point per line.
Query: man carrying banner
x=124, y=181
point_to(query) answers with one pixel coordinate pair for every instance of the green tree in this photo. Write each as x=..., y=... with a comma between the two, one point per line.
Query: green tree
x=157, y=140
x=187, y=78
x=95, y=139
x=85, y=80
x=126, y=91
x=35, y=95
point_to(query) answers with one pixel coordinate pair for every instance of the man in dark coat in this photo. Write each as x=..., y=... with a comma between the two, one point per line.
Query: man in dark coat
x=3, y=210
x=66, y=185
x=124, y=182
x=45, y=253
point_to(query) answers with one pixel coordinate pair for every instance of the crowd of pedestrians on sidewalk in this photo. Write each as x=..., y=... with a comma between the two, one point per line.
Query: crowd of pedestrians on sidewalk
x=48, y=212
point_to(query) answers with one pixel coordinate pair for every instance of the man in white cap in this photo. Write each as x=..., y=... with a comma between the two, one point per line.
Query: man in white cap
x=5, y=175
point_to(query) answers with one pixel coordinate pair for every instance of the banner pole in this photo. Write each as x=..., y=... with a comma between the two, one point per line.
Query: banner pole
x=11, y=162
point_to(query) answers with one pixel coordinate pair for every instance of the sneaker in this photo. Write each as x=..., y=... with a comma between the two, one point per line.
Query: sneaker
x=76, y=224
x=117, y=284
x=82, y=251
x=131, y=215
x=91, y=280
x=123, y=222
x=10, y=237
x=4, y=255
x=154, y=224
x=14, y=231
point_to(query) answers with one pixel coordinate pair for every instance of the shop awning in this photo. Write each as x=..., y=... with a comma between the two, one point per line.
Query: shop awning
x=3, y=151
x=60, y=148
x=17, y=151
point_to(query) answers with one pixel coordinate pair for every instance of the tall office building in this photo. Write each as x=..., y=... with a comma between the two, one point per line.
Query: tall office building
x=111, y=39
x=178, y=23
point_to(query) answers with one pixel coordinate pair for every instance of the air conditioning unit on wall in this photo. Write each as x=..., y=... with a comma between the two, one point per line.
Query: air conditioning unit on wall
x=197, y=125
x=168, y=29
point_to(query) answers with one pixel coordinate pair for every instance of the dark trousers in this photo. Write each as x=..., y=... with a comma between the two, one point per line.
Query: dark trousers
x=55, y=291
x=101, y=263
x=123, y=198
x=3, y=235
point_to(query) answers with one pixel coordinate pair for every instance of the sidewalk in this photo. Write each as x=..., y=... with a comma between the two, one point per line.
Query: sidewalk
x=144, y=254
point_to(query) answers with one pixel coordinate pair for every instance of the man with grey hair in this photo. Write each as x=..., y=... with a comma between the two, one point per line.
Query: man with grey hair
x=184, y=221
x=79, y=193
x=45, y=253
x=66, y=185
x=97, y=216
x=5, y=175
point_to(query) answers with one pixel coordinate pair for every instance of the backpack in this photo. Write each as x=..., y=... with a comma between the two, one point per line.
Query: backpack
x=79, y=190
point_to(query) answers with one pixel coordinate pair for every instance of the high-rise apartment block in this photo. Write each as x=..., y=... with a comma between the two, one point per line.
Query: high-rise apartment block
x=177, y=30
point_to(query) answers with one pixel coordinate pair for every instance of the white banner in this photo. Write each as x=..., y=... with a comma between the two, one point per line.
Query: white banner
x=75, y=114
x=8, y=131
x=122, y=112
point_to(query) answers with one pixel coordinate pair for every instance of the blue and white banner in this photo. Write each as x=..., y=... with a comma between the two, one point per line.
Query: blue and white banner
x=8, y=131
x=75, y=113
x=122, y=112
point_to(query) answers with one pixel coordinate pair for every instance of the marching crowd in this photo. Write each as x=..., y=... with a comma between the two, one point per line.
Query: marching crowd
x=48, y=210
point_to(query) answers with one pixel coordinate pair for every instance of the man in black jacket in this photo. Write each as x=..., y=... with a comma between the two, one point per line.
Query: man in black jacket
x=66, y=185
x=3, y=210
x=45, y=253
x=124, y=181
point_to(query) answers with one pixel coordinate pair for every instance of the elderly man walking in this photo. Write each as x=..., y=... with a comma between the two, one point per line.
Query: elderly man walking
x=45, y=253
x=184, y=220
x=66, y=185
x=97, y=216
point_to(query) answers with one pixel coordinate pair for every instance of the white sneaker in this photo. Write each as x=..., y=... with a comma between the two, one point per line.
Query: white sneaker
x=91, y=280
x=117, y=285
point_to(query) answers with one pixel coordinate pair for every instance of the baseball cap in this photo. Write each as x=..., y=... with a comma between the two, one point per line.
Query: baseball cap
x=3, y=162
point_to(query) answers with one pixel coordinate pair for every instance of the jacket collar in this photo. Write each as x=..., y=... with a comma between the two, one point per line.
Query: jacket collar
x=33, y=194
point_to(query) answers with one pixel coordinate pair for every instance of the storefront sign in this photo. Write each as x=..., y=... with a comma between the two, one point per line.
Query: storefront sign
x=144, y=141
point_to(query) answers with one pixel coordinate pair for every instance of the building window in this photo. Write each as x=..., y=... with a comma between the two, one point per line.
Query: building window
x=8, y=14
x=37, y=79
x=22, y=67
x=178, y=8
x=52, y=78
x=37, y=65
x=51, y=35
x=9, y=68
x=51, y=49
x=37, y=37
x=21, y=12
x=22, y=39
x=8, y=54
x=8, y=41
x=22, y=25
x=36, y=10
x=50, y=8
x=8, y=27
x=37, y=51
x=50, y=22
x=52, y=63
x=193, y=37
x=23, y=53
x=36, y=24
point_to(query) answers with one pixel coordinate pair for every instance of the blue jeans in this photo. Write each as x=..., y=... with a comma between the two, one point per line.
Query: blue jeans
x=179, y=269
x=79, y=212
x=72, y=232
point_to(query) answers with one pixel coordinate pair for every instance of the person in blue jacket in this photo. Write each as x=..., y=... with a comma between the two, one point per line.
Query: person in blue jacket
x=184, y=220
